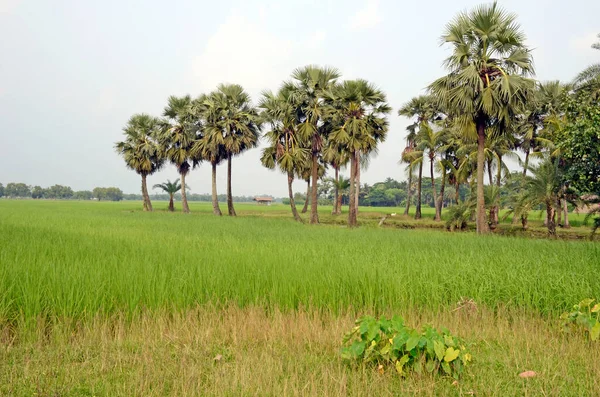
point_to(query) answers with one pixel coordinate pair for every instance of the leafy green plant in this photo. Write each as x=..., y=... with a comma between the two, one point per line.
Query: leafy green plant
x=389, y=342
x=584, y=317
x=459, y=215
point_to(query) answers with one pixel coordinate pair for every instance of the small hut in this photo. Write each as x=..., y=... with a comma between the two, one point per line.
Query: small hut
x=263, y=200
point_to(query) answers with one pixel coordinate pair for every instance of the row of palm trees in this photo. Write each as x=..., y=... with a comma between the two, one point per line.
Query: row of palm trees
x=471, y=120
x=315, y=121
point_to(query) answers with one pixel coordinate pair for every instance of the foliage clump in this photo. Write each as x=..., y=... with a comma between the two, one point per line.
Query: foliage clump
x=584, y=317
x=390, y=343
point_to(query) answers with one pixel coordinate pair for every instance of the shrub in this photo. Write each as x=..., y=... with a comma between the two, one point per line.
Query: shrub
x=584, y=318
x=391, y=343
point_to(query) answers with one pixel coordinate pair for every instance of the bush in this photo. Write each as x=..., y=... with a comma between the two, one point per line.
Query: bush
x=584, y=318
x=390, y=343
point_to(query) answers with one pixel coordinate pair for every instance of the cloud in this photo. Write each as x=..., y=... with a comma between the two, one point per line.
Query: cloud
x=367, y=17
x=243, y=52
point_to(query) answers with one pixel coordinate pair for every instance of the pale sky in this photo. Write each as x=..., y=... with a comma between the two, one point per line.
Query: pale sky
x=73, y=72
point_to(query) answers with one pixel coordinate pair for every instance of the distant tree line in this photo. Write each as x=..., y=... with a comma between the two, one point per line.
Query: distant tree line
x=59, y=192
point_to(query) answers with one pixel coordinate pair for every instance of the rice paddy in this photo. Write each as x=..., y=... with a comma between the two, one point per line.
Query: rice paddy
x=66, y=267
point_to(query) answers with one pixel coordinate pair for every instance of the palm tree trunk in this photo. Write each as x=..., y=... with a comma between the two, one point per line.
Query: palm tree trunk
x=550, y=218
x=184, y=204
x=496, y=218
x=230, y=208
x=291, y=193
x=558, y=211
x=215, y=200
x=314, y=215
x=408, y=195
x=171, y=204
x=339, y=204
x=526, y=164
x=489, y=170
x=482, y=225
x=352, y=204
x=337, y=192
x=457, y=192
x=435, y=205
x=146, y=197
x=357, y=179
x=565, y=208
x=305, y=208
x=419, y=182
x=440, y=201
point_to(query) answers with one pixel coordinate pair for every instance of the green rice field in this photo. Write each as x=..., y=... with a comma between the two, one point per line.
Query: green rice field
x=69, y=270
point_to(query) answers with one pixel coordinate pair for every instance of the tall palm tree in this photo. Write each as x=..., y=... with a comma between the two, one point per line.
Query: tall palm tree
x=311, y=85
x=170, y=188
x=359, y=120
x=285, y=149
x=431, y=140
x=487, y=81
x=208, y=146
x=177, y=139
x=236, y=127
x=141, y=150
x=336, y=156
x=424, y=110
x=543, y=189
x=589, y=78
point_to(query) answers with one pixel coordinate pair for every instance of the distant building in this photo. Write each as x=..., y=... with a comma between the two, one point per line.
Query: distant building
x=263, y=200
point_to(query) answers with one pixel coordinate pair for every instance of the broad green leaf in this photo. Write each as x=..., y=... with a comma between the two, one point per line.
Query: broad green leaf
x=596, y=308
x=430, y=366
x=595, y=331
x=439, y=349
x=451, y=354
x=448, y=340
x=585, y=303
x=358, y=348
x=446, y=368
x=385, y=349
x=412, y=342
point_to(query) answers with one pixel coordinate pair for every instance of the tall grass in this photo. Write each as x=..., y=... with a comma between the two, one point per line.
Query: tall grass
x=76, y=259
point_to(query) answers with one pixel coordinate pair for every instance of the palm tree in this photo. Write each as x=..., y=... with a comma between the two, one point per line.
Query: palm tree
x=337, y=157
x=141, y=150
x=358, y=117
x=430, y=141
x=341, y=185
x=209, y=147
x=311, y=84
x=487, y=80
x=421, y=107
x=543, y=189
x=589, y=78
x=171, y=188
x=236, y=126
x=178, y=137
x=285, y=149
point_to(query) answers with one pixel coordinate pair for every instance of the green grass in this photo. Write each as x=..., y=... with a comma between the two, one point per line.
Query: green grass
x=103, y=299
x=75, y=259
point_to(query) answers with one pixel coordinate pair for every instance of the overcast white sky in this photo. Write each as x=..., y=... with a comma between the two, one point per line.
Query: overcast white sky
x=72, y=72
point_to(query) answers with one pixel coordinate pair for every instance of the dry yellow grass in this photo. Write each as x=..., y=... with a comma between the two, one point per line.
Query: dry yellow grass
x=232, y=351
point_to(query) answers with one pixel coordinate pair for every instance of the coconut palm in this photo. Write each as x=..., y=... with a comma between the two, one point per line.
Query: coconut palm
x=358, y=116
x=430, y=141
x=487, y=81
x=179, y=133
x=141, y=150
x=311, y=84
x=424, y=111
x=170, y=188
x=236, y=126
x=285, y=150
